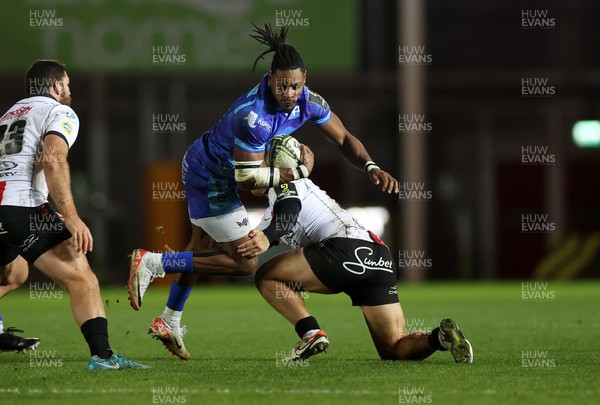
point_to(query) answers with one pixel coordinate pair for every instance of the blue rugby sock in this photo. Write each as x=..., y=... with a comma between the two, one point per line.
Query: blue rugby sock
x=181, y=262
x=178, y=296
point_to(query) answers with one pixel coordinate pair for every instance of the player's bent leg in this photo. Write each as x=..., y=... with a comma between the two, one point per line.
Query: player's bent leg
x=12, y=275
x=281, y=281
x=387, y=327
x=146, y=266
x=167, y=327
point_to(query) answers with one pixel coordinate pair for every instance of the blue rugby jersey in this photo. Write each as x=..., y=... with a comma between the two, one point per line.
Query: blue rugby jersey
x=252, y=121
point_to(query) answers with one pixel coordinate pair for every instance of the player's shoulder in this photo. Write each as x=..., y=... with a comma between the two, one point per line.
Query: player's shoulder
x=67, y=111
x=251, y=99
x=315, y=99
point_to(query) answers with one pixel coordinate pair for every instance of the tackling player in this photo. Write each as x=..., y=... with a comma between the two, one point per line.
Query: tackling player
x=230, y=156
x=334, y=253
x=35, y=136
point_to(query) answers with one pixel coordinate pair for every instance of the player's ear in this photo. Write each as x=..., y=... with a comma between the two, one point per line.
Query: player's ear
x=304, y=77
x=57, y=87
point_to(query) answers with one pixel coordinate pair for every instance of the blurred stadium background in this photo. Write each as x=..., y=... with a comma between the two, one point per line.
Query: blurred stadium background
x=471, y=105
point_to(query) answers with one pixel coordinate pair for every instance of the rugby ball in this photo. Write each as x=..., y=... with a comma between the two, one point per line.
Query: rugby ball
x=283, y=151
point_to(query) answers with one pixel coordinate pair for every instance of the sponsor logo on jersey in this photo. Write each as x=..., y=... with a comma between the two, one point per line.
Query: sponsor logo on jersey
x=295, y=113
x=286, y=190
x=5, y=166
x=251, y=119
x=2, y=230
x=367, y=261
x=67, y=127
x=254, y=120
x=16, y=113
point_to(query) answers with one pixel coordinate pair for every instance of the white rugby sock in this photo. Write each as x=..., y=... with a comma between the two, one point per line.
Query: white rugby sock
x=172, y=317
x=310, y=334
x=154, y=261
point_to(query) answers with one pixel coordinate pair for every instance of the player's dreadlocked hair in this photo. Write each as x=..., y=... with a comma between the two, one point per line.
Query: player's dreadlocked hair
x=286, y=56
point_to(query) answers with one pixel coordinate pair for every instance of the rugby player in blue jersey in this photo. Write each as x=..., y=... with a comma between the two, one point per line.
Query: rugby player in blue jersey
x=230, y=156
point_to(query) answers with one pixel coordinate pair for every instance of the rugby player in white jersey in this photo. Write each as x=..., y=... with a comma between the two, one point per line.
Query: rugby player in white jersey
x=333, y=253
x=35, y=136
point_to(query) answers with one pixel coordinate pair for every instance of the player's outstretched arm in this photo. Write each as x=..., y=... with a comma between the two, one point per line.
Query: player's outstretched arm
x=355, y=152
x=58, y=178
x=285, y=216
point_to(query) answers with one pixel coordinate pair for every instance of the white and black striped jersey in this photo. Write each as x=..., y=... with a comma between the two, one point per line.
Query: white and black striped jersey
x=22, y=131
x=320, y=217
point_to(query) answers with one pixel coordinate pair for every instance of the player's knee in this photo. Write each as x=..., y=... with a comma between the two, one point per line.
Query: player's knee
x=246, y=267
x=392, y=350
x=259, y=279
x=16, y=279
x=20, y=278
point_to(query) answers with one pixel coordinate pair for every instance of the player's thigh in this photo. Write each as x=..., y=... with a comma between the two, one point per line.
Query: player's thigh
x=385, y=322
x=65, y=265
x=201, y=240
x=292, y=267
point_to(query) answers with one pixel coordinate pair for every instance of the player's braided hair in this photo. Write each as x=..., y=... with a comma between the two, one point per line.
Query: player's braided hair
x=285, y=57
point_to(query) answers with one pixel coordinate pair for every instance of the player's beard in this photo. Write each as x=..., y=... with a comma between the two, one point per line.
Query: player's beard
x=64, y=99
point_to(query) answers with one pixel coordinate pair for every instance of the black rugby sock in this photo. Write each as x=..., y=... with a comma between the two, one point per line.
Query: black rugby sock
x=306, y=324
x=95, y=332
x=434, y=340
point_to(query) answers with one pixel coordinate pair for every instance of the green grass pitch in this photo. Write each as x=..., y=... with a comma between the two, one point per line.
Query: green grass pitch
x=535, y=344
